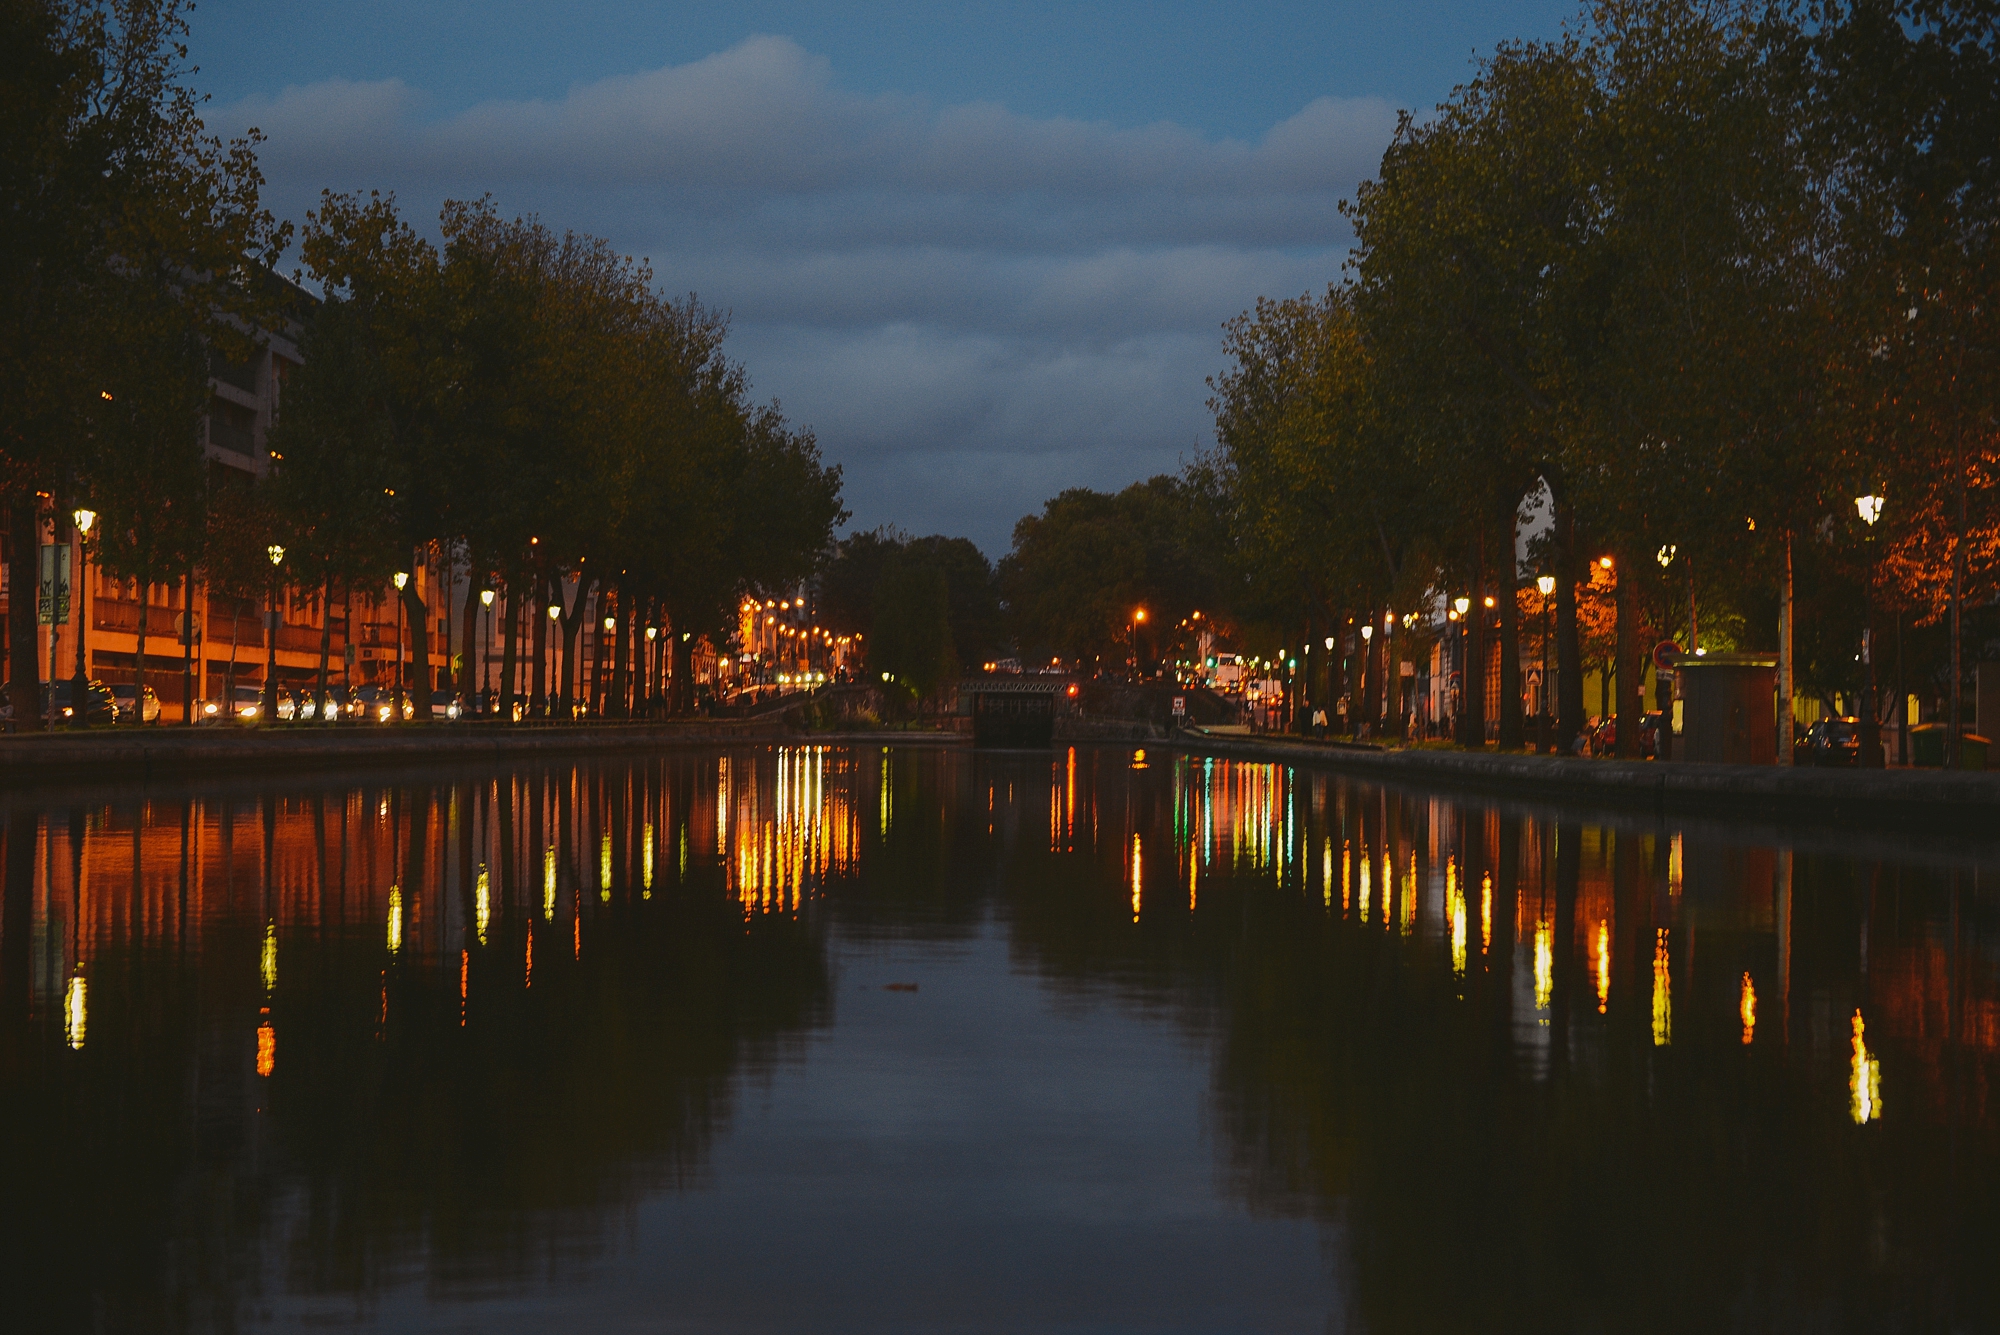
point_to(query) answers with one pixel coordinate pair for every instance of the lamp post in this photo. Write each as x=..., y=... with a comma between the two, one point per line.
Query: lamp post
x=1547, y=585
x=1132, y=637
x=1869, y=507
x=80, y=686
x=605, y=662
x=486, y=649
x=277, y=555
x=1460, y=606
x=555, y=642
x=652, y=665
x=396, y=697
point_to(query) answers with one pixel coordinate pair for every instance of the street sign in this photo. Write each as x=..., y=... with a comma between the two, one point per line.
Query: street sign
x=52, y=593
x=182, y=633
x=1180, y=706
x=1665, y=654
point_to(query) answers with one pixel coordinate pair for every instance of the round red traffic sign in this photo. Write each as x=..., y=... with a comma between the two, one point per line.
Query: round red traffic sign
x=1665, y=654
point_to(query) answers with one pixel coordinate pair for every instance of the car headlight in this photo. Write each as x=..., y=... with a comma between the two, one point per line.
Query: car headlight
x=67, y=711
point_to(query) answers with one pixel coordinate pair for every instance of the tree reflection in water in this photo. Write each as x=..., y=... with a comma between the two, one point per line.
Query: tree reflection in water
x=1533, y=1068
x=425, y=1087
x=1558, y=1116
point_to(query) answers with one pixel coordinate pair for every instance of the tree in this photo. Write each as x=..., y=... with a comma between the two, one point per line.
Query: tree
x=114, y=205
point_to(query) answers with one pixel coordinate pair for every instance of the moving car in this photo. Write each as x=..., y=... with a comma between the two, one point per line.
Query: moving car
x=445, y=705
x=247, y=704
x=128, y=697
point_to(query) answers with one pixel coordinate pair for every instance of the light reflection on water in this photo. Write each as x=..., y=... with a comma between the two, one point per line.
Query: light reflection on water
x=456, y=1026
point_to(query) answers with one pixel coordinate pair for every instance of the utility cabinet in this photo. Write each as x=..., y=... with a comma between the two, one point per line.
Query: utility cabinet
x=1728, y=709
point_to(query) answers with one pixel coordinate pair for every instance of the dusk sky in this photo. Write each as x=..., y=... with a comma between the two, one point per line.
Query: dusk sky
x=984, y=251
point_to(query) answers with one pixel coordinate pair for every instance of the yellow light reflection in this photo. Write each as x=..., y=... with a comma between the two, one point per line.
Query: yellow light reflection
x=395, y=919
x=1746, y=1006
x=1326, y=872
x=1454, y=907
x=1545, y=961
x=646, y=861
x=1603, y=964
x=268, y=965
x=267, y=1049
x=1674, y=866
x=604, y=868
x=1135, y=878
x=1367, y=885
x=1485, y=912
x=1410, y=895
x=549, y=883
x=1663, y=992
x=482, y=903
x=75, y=1006
x=1346, y=876
x=1865, y=1081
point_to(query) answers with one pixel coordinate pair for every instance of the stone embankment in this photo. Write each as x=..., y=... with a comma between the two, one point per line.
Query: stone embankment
x=1928, y=798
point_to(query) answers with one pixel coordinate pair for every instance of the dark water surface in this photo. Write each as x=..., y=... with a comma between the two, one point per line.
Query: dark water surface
x=824, y=1038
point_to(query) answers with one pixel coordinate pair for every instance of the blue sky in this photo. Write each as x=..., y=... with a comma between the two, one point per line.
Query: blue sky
x=983, y=250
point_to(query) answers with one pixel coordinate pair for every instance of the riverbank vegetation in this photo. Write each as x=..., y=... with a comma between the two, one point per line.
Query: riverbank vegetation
x=1652, y=305
x=511, y=406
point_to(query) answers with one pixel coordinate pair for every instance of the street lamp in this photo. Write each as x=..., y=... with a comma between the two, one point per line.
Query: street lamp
x=277, y=555
x=402, y=579
x=1546, y=584
x=1132, y=637
x=80, y=687
x=486, y=650
x=1869, y=507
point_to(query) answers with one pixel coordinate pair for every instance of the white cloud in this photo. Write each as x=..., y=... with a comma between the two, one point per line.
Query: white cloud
x=984, y=304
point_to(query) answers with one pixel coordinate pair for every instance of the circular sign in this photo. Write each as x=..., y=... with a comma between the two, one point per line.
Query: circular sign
x=1665, y=654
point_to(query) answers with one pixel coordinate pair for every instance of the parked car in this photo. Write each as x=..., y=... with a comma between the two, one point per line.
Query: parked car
x=129, y=708
x=1831, y=741
x=101, y=706
x=445, y=705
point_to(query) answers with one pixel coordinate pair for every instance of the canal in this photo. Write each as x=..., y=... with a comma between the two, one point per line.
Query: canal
x=855, y=1038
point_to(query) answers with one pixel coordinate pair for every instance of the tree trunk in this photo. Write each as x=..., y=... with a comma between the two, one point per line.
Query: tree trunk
x=229, y=675
x=681, y=684
x=1785, y=660
x=598, y=669
x=23, y=578
x=614, y=705
x=1629, y=702
x=1512, y=732
x=510, y=647
x=1475, y=664
x=420, y=651
x=468, y=632
x=139, y=657
x=187, y=645
x=572, y=666
x=539, y=677
x=325, y=645
x=1569, y=643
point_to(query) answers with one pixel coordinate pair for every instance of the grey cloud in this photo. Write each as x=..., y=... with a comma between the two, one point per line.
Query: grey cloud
x=972, y=307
